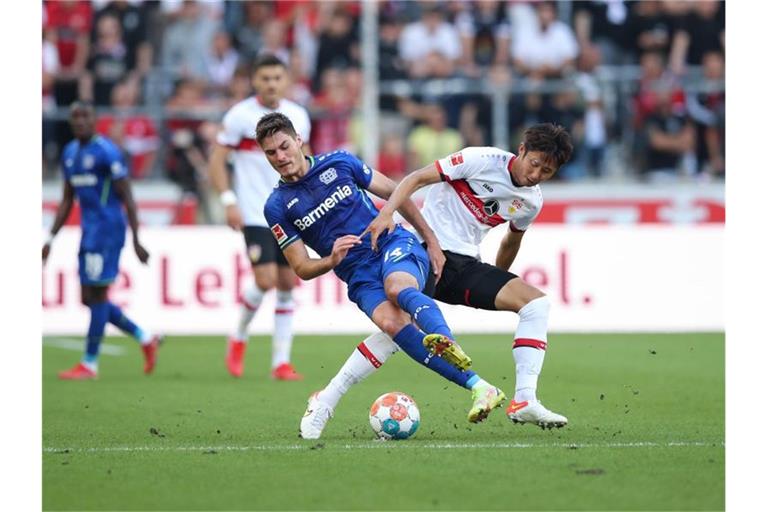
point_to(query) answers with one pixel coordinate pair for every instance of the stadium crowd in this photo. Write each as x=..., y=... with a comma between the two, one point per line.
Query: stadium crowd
x=161, y=74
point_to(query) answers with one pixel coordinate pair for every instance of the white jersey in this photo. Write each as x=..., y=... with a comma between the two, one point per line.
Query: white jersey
x=477, y=193
x=254, y=177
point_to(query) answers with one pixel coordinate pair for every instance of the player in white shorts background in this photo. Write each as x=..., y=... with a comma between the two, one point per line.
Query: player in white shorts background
x=474, y=190
x=253, y=179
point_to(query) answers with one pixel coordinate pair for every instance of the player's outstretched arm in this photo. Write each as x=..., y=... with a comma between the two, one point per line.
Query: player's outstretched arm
x=217, y=171
x=62, y=212
x=309, y=268
x=508, y=249
x=399, y=196
x=123, y=190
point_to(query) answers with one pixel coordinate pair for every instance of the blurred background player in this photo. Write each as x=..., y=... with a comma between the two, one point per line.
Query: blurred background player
x=254, y=180
x=321, y=203
x=476, y=189
x=95, y=172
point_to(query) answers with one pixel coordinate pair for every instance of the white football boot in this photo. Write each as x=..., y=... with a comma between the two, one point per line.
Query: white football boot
x=531, y=411
x=315, y=418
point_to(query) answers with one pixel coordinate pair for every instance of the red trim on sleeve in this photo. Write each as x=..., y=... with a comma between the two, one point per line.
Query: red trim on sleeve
x=440, y=170
x=369, y=355
x=528, y=342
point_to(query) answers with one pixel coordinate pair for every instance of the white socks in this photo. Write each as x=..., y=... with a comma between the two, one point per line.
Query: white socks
x=366, y=358
x=282, y=337
x=530, y=347
x=251, y=301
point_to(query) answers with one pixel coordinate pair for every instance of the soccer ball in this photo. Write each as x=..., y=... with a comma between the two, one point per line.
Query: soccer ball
x=394, y=416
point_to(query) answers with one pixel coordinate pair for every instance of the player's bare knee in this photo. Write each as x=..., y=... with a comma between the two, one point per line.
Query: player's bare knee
x=536, y=308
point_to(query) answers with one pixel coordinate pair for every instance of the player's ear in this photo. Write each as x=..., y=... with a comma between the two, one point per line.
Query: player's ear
x=521, y=149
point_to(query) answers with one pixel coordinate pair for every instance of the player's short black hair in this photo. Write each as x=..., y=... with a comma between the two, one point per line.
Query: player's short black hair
x=267, y=59
x=550, y=139
x=81, y=105
x=272, y=123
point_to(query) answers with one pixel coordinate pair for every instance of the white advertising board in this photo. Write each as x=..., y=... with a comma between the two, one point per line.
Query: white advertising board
x=599, y=278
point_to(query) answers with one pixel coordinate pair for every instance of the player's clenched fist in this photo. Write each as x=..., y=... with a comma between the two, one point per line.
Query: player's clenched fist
x=234, y=218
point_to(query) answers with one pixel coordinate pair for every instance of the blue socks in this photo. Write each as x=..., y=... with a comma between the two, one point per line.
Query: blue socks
x=122, y=322
x=410, y=340
x=99, y=317
x=424, y=312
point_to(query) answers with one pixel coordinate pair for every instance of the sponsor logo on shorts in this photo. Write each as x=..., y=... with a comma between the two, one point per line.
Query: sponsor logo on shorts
x=327, y=177
x=279, y=233
x=457, y=158
x=254, y=252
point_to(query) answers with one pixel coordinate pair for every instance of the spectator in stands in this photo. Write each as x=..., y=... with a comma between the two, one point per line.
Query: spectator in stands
x=649, y=29
x=134, y=22
x=300, y=88
x=392, y=162
x=186, y=41
x=221, y=63
x=671, y=140
x=433, y=139
x=186, y=163
x=249, y=35
x=50, y=64
x=135, y=133
x=707, y=109
x=275, y=40
x=430, y=47
x=701, y=31
x=547, y=49
x=239, y=87
x=595, y=122
x=108, y=63
x=654, y=75
x=68, y=24
x=332, y=110
x=338, y=45
x=485, y=36
x=602, y=24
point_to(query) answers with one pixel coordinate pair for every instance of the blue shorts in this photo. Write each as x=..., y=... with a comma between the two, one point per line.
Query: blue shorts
x=402, y=252
x=98, y=267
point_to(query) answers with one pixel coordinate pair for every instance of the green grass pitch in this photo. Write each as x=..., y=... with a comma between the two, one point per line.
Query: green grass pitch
x=646, y=432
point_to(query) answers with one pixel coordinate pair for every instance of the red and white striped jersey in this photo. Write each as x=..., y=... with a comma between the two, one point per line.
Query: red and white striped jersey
x=254, y=177
x=477, y=193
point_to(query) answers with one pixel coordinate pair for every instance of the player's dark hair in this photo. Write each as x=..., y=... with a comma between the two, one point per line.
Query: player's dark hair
x=551, y=139
x=81, y=105
x=272, y=123
x=267, y=59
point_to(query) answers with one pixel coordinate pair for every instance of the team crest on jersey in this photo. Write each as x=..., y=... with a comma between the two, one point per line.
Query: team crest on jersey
x=88, y=161
x=328, y=176
x=280, y=235
x=457, y=158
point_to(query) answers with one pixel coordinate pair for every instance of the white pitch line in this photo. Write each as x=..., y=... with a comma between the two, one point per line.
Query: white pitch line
x=374, y=445
x=79, y=345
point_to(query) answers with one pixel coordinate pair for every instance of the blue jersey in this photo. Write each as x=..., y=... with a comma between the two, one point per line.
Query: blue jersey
x=327, y=203
x=91, y=168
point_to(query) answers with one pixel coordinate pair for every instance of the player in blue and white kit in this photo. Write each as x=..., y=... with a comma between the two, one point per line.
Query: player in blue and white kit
x=95, y=173
x=321, y=202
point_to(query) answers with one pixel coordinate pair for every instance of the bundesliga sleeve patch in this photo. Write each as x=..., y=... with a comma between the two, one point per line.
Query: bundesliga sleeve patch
x=280, y=235
x=456, y=159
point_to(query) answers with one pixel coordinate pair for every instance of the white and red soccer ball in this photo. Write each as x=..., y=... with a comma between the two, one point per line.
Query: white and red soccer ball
x=394, y=416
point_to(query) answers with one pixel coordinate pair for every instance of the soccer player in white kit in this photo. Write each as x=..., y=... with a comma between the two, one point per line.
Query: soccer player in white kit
x=474, y=190
x=254, y=179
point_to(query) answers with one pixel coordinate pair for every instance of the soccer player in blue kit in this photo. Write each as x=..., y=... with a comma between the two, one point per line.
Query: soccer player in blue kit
x=321, y=201
x=95, y=173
